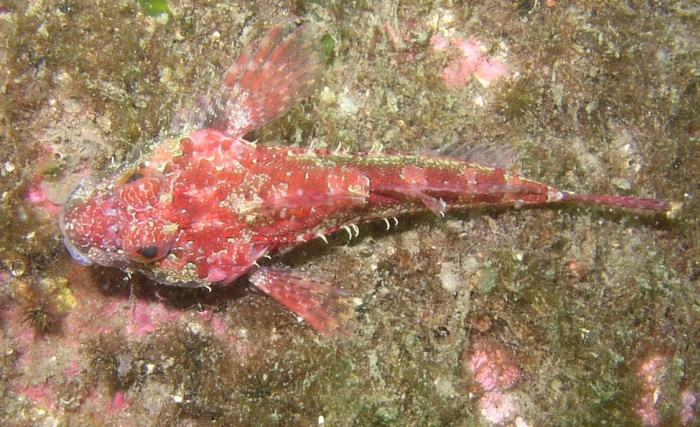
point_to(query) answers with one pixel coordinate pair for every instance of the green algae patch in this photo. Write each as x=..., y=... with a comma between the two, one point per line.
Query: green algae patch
x=155, y=8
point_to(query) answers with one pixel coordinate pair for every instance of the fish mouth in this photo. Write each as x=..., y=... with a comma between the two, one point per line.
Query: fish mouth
x=75, y=253
x=85, y=224
x=66, y=229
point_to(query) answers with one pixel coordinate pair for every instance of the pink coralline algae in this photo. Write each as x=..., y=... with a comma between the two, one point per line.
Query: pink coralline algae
x=688, y=403
x=498, y=407
x=471, y=62
x=496, y=373
x=37, y=195
x=48, y=374
x=119, y=402
x=651, y=375
x=493, y=369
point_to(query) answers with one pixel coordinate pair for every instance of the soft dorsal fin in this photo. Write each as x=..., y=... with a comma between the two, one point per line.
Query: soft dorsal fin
x=486, y=153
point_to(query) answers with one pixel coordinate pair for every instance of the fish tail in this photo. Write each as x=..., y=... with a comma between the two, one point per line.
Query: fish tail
x=653, y=205
x=443, y=184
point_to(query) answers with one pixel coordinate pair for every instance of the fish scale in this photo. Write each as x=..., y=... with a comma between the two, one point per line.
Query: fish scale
x=201, y=205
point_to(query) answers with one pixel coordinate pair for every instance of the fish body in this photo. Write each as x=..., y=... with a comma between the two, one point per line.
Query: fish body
x=201, y=205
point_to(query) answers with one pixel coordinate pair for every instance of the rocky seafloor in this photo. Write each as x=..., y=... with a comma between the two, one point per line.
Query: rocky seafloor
x=539, y=317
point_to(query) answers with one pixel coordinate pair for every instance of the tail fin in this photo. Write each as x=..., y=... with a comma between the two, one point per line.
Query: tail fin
x=621, y=202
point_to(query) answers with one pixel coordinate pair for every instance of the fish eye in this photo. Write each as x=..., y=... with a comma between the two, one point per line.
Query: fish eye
x=148, y=252
x=148, y=242
x=139, y=189
x=133, y=176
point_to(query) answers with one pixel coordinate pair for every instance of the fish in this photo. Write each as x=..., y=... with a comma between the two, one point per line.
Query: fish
x=201, y=206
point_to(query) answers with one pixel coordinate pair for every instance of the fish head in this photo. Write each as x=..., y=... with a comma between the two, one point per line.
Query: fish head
x=120, y=219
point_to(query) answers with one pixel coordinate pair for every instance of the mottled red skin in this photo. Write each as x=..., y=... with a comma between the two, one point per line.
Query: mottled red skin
x=202, y=205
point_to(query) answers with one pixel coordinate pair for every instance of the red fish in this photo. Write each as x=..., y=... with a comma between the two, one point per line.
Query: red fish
x=201, y=205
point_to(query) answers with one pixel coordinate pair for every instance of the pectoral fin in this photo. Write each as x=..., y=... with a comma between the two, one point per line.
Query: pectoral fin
x=325, y=307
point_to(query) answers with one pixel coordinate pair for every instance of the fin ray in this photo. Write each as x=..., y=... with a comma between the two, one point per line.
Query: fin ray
x=326, y=308
x=264, y=82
